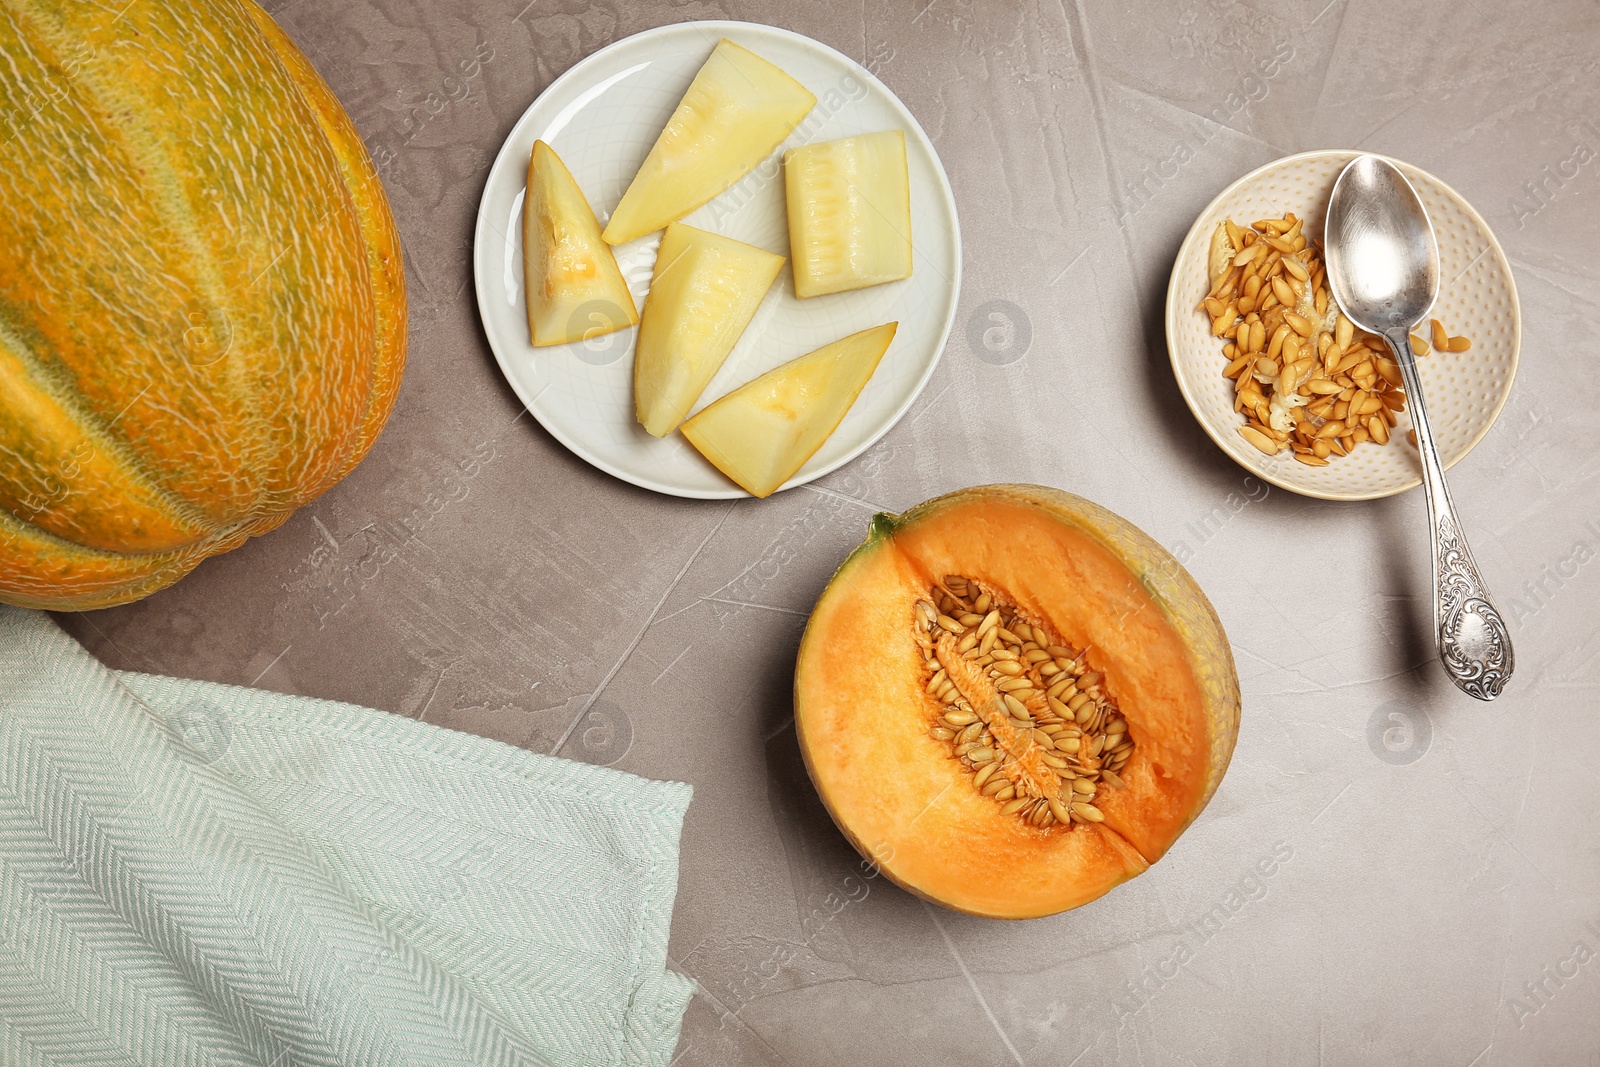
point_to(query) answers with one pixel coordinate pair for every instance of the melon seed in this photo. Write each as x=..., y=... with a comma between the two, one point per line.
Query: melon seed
x=1032, y=734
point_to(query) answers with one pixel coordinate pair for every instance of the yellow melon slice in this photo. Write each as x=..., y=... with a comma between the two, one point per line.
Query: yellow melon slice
x=574, y=288
x=737, y=110
x=849, y=213
x=764, y=431
x=705, y=290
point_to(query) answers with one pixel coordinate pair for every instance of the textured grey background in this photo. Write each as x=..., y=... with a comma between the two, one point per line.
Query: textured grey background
x=1436, y=897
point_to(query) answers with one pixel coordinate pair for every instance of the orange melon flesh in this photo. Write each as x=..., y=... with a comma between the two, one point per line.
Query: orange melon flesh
x=863, y=715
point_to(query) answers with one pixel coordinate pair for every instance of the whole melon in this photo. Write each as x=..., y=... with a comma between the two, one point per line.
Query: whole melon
x=202, y=300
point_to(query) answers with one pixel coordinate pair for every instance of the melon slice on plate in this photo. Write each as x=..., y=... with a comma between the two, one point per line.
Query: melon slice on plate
x=764, y=431
x=1012, y=700
x=849, y=213
x=737, y=110
x=704, y=292
x=575, y=290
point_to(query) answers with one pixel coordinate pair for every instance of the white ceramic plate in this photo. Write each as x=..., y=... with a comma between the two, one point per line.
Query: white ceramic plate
x=601, y=117
x=1464, y=391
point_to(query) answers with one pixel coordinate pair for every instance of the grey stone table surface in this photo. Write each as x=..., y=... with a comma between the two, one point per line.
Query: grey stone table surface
x=1434, y=894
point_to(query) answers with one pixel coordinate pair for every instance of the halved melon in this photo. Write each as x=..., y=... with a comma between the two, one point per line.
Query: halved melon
x=765, y=430
x=575, y=290
x=704, y=292
x=849, y=213
x=736, y=111
x=1012, y=700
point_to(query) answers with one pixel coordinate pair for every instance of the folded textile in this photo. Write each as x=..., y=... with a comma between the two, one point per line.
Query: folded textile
x=193, y=873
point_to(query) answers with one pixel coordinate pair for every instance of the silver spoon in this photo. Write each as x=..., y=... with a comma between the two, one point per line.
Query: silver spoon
x=1383, y=269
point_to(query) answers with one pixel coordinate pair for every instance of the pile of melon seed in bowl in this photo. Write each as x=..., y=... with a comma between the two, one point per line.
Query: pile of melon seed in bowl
x=1305, y=379
x=1019, y=708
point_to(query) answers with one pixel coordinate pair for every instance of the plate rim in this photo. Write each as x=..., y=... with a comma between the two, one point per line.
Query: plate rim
x=720, y=27
x=1495, y=248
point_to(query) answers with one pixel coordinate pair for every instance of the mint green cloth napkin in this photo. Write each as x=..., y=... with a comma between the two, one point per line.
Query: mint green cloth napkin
x=200, y=874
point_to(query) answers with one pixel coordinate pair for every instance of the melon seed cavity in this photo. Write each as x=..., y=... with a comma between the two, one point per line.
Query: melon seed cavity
x=1020, y=709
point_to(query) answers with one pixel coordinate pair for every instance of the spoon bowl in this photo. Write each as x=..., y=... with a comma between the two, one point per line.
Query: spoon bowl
x=1381, y=254
x=1383, y=270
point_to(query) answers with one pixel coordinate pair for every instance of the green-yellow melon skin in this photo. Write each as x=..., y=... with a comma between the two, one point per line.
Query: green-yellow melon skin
x=202, y=304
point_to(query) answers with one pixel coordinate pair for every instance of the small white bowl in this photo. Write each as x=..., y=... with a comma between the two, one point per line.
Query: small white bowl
x=1464, y=391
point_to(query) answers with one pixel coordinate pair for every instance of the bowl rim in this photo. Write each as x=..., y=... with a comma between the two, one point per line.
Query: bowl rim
x=1172, y=311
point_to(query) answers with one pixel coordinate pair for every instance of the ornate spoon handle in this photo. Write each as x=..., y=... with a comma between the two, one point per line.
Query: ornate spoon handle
x=1474, y=644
